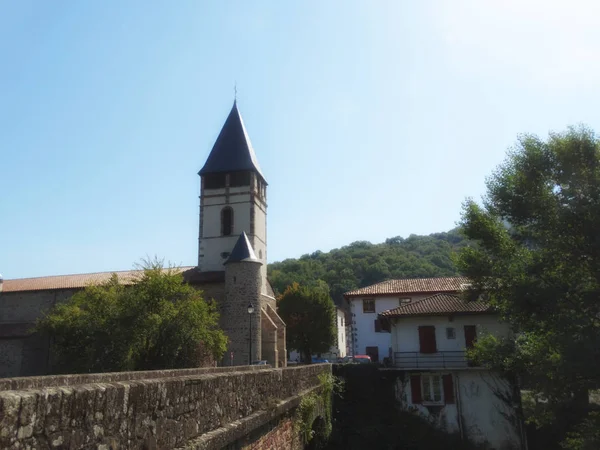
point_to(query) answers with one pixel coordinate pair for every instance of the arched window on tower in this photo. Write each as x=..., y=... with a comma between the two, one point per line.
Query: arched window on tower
x=226, y=221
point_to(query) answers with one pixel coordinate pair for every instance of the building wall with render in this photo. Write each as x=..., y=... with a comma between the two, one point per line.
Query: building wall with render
x=405, y=332
x=480, y=411
x=363, y=323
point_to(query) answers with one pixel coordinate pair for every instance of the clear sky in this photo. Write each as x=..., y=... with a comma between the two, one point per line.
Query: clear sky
x=370, y=119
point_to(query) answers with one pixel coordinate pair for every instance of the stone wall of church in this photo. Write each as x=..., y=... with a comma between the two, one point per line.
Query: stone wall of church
x=23, y=353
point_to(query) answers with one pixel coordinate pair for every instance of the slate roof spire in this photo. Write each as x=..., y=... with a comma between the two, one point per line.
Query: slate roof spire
x=242, y=251
x=232, y=150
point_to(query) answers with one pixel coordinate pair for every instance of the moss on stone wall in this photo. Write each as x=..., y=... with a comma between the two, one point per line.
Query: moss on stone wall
x=313, y=420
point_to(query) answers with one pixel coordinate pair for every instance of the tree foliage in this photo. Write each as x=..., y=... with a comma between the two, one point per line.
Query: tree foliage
x=362, y=263
x=537, y=259
x=309, y=314
x=158, y=322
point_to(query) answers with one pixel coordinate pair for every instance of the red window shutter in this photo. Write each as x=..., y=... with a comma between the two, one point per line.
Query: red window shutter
x=427, y=341
x=415, y=389
x=377, y=326
x=385, y=325
x=448, y=388
x=470, y=335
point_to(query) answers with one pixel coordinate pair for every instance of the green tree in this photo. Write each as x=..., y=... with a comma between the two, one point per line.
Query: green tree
x=362, y=263
x=536, y=258
x=309, y=314
x=158, y=322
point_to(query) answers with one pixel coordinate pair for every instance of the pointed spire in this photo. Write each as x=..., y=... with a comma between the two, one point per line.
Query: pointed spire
x=232, y=150
x=242, y=252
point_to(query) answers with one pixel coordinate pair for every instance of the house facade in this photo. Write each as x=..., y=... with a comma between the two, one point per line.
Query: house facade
x=369, y=334
x=429, y=339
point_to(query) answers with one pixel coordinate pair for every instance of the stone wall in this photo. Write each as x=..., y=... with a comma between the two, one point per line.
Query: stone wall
x=269, y=339
x=281, y=345
x=199, y=410
x=242, y=286
x=23, y=353
x=280, y=436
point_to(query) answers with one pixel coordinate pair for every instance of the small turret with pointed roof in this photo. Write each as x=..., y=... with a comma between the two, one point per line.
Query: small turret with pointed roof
x=232, y=151
x=242, y=251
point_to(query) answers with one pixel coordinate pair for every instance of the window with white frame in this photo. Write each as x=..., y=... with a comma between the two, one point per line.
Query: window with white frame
x=431, y=387
x=450, y=333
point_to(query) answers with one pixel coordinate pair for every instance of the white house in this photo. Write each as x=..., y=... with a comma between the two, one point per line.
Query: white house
x=369, y=334
x=428, y=339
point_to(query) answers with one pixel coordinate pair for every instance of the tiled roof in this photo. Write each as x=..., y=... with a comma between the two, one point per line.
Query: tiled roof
x=68, y=281
x=411, y=285
x=438, y=304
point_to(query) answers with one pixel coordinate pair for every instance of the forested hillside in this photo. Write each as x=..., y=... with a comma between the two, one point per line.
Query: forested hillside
x=362, y=263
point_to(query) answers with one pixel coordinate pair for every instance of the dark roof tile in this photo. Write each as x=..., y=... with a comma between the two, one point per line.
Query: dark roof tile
x=438, y=304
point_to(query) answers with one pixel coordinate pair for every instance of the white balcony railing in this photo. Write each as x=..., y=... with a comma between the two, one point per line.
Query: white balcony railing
x=439, y=360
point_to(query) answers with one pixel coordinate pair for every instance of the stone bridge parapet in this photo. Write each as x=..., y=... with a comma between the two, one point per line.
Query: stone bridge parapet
x=191, y=408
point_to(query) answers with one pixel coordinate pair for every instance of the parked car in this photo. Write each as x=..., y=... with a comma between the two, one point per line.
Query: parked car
x=319, y=360
x=356, y=359
x=362, y=359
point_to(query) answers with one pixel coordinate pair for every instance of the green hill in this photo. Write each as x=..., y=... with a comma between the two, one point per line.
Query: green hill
x=362, y=263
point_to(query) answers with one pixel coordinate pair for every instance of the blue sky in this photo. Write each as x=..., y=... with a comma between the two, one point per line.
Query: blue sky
x=369, y=119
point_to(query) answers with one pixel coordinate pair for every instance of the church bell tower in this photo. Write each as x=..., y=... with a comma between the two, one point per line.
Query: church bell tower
x=233, y=199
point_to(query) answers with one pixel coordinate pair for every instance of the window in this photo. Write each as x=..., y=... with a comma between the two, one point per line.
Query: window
x=214, y=181
x=237, y=179
x=431, y=387
x=450, y=333
x=226, y=221
x=427, y=341
x=368, y=305
x=404, y=300
x=382, y=326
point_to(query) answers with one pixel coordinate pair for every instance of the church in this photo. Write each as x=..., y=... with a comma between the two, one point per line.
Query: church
x=231, y=270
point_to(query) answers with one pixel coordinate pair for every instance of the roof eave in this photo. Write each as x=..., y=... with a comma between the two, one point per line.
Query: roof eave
x=388, y=294
x=457, y=313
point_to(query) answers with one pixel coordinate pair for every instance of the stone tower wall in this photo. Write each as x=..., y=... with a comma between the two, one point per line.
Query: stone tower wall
x=243, y=285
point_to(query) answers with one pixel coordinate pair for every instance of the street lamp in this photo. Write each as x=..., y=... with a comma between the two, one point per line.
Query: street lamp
x=250, y=311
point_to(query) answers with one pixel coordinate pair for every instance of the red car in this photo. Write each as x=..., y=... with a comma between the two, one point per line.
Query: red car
x=357, y=359
x=362, y=359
